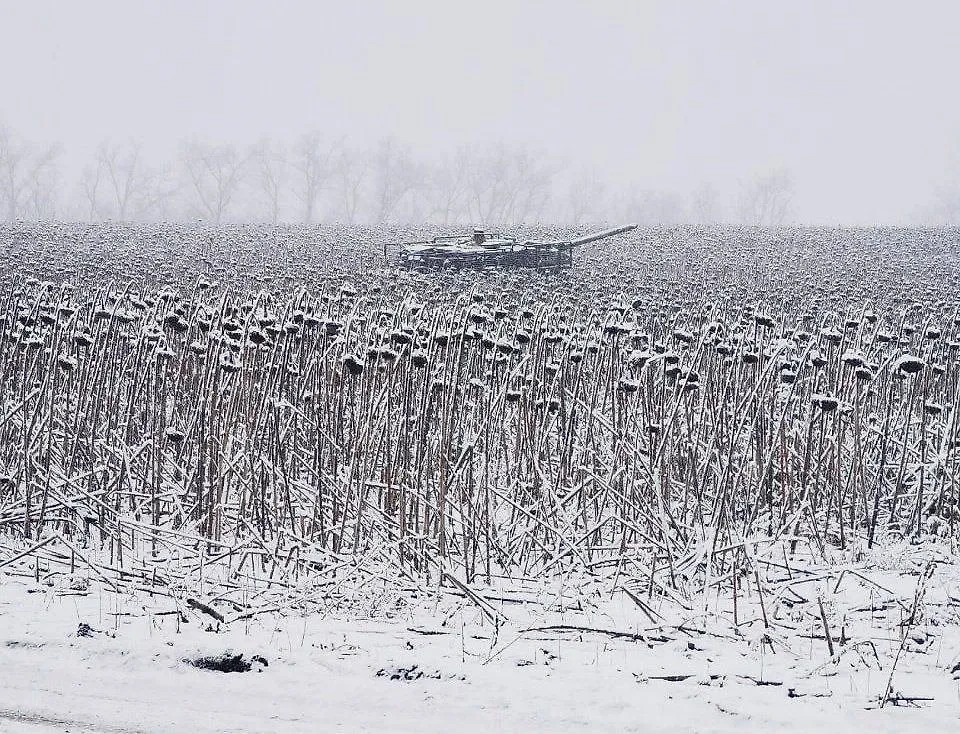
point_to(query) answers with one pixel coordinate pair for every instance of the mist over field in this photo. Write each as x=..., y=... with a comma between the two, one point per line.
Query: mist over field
x=749, y=112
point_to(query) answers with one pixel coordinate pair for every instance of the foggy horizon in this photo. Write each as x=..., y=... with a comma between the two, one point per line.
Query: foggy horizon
x=850, y=101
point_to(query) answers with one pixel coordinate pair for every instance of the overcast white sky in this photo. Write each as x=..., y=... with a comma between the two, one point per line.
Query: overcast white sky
x=858, y=98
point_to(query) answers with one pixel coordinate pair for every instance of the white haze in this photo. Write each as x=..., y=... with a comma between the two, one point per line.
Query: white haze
x=856, y=99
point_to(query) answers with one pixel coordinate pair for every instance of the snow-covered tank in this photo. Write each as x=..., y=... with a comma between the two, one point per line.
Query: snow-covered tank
x=484, y=249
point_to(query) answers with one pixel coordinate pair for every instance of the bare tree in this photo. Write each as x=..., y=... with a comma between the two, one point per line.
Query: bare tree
x=665, y=208
x=127, y=175
x=13, y=156
x=629, y=203
x=120, y=183
x=270, y=175
x=650, y=206
x=508, y=185
x=531, y=186
x=447, y=186
x=25, y=172
x=350, y=174
x=313, y=162
x=42, y=185
x=91, y=179
x=161, y=194
x=705, y=205
x=489, y=185
x=767, y=200
x=585, y=197
x=946, y=207
x=394, y=175
x=214, y=174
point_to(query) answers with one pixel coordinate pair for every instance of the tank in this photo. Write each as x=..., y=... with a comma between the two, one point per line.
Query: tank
x=493, y=249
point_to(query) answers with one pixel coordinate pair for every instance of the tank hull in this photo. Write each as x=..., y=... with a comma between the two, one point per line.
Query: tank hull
x=483, y=250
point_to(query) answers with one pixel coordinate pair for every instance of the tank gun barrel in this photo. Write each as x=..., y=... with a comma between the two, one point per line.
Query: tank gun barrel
x=601, y=235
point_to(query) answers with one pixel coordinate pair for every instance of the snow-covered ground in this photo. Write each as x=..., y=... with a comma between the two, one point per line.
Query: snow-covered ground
x=78, y=657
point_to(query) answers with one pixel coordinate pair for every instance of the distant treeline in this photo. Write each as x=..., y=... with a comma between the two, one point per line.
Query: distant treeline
x=323, y=179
